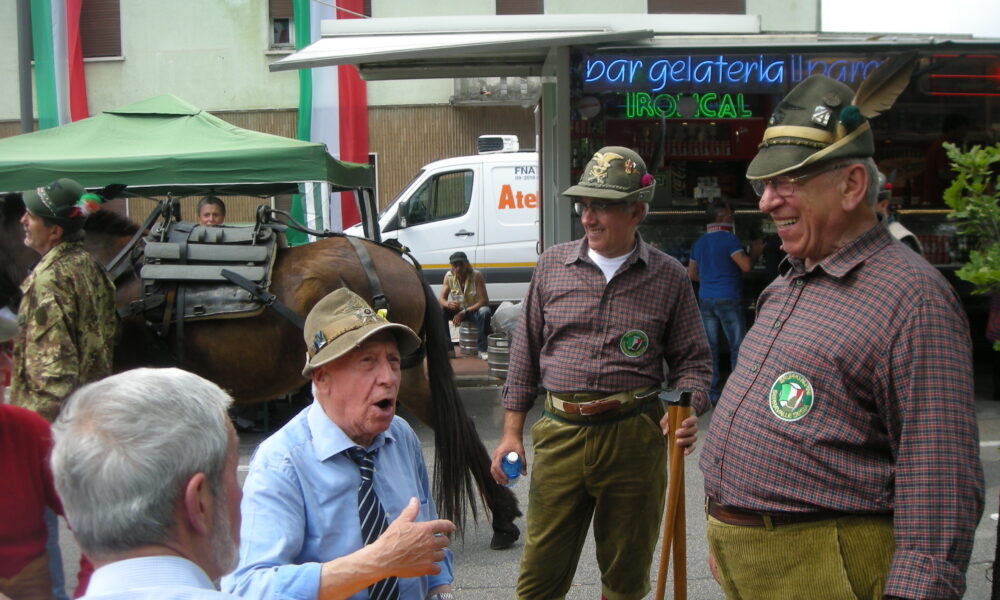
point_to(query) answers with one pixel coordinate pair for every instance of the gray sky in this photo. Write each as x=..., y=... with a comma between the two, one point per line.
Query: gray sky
x=980, y=18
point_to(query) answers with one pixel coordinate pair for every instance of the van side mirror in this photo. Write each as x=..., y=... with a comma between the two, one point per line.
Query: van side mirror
x=403, y=212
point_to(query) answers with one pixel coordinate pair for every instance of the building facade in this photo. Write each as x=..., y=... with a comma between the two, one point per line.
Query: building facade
x=215, y=55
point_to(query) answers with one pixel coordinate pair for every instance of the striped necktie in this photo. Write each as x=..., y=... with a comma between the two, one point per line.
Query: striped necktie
x=373, y=520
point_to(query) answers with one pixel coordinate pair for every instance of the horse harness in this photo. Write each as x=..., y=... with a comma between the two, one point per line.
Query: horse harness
x=192, y=272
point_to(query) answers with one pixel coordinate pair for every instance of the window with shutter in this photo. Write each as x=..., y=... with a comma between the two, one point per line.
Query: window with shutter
x=703, y=7
x=100, y=28
x=520, y=7
x=280, y=18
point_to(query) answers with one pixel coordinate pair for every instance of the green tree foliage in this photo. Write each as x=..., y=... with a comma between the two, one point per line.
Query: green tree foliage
x=973, y=197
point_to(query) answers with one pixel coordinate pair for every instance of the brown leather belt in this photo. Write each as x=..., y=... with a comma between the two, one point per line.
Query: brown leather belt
x=737, y=516
x=571, y=404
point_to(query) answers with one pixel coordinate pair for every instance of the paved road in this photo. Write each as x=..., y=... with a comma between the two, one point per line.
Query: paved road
x=484, y=574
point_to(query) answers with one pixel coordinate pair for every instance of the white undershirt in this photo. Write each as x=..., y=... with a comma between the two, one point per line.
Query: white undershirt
x=608, y=266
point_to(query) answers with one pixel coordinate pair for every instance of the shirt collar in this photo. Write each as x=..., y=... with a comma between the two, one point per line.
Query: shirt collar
x=151, y=571
x=641, y=252
x=329, y=440
x=843, y=260
x=55, y=252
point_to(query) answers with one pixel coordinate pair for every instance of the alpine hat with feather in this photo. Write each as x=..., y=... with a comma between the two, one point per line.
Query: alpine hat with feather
x=822, y=119
x=63, y=202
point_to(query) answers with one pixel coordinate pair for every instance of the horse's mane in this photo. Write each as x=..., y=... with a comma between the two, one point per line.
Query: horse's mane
x=105, y=221
x=102, y=221
x=12, y=206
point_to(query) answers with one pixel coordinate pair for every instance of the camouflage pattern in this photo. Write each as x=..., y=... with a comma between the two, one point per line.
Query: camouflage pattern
x=68, y=326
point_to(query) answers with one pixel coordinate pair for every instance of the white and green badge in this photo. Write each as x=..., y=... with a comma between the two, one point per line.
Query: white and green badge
x=791, y=396
x=634, y=343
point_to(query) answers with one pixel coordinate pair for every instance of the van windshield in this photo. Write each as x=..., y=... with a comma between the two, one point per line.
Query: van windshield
x=401, y=193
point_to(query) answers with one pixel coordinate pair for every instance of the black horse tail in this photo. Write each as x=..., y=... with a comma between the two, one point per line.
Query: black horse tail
x=460, y=459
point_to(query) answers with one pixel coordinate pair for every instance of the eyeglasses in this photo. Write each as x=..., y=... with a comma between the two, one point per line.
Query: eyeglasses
x=600, y=207
x=785, y=186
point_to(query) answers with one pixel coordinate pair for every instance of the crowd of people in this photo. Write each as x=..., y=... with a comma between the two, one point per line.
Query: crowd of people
x=845, y=438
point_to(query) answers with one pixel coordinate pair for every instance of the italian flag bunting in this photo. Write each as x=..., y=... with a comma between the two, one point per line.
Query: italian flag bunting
x=333, y=109
x=60, y=87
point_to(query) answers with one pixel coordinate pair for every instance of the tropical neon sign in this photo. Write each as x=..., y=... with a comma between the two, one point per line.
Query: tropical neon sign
x=708, y=105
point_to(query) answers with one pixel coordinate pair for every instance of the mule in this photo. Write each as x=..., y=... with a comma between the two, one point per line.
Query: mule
x=261, y=357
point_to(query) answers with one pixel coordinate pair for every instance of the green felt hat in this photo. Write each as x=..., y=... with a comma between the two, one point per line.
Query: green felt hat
x=615, y=173
x=823, y=120
x=63, y=202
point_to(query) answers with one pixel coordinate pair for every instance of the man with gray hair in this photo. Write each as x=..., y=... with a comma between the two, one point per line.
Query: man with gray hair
x=145, y=463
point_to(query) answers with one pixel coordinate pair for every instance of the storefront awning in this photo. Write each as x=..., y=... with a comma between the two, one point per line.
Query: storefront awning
x=440, y=47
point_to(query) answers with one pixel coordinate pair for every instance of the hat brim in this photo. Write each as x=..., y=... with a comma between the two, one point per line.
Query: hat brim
x=406, y=340
x=775, y=160
x=583, y=191
x=640, y=195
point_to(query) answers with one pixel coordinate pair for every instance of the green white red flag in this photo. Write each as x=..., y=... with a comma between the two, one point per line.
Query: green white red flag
x=60, y=86
x=333, y=109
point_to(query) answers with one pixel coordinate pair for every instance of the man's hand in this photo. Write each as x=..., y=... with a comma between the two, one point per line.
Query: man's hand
x=457, y=319
x=687, y=433
x=405, y=549
x=411, y=549
x=505, y=447
x=452, y=305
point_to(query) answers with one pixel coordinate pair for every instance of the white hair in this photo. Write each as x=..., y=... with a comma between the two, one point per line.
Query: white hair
x=126, y=446
x=874, y=186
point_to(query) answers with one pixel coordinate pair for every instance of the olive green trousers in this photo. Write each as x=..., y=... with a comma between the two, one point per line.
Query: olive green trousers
x=613, y=473
x=837, y=559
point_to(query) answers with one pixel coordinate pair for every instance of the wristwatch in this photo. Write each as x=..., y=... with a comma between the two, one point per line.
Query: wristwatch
x=442, y=596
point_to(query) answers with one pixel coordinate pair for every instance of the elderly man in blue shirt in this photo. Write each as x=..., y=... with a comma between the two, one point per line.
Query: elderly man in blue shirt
x=302, y=535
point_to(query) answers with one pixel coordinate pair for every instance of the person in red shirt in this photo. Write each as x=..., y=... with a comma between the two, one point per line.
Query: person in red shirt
x=25, y=441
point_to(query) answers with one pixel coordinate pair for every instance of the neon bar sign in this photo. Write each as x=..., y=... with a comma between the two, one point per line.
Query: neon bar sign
x=710, y=105
x=750, y=73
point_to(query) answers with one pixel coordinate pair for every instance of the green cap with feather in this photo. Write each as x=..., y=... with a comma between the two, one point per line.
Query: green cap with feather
x=822, y=119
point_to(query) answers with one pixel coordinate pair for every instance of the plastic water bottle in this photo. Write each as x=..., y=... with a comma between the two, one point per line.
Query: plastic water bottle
x=511, y=465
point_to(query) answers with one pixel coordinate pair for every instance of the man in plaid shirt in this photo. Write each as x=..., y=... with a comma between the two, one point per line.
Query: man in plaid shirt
x=601, y=315
x=843, y=456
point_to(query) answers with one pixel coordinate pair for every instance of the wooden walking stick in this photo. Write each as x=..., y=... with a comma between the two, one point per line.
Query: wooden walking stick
x=674, y=535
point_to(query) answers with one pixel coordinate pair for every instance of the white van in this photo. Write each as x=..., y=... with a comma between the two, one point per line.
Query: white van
x=486, y=205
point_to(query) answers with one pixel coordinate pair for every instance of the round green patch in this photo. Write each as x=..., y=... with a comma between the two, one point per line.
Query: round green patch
x=791, y=396
x=634, y=343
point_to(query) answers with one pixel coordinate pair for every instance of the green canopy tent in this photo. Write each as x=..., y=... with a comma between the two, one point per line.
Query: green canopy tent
x=165, y=145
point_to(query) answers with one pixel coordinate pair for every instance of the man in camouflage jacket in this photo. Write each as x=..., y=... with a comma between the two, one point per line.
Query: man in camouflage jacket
x=67, y=315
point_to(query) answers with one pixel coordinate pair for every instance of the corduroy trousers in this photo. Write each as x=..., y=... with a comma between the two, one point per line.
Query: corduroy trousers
x=836, y=559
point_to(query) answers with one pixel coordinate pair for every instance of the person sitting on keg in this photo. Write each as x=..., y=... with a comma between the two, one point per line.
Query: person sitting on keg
x=464, y=298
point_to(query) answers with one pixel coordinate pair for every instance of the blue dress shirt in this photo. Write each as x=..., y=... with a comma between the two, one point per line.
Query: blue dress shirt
x=152, y=578
x=300, y=506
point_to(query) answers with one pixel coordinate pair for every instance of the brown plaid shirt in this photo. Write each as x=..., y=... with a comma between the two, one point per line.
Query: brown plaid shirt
x=883, y=341
x=577, y=331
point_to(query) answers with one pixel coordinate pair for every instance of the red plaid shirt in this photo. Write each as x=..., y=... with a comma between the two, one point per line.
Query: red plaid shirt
x=574, y=325
x=882, y=338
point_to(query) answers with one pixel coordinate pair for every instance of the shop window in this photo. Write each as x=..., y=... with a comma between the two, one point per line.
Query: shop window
x=704, y=7
x=520, y=7
x=100, y=28
x=442, y=197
